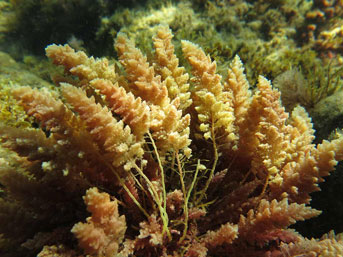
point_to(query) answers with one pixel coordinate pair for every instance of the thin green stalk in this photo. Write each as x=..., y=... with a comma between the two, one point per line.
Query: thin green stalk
x=121, y=182
x=185, y=206
x=157, y=199
x=181, y=175
x=215, y=150
x=186, y=203
x=164, y=214
x=139, y=184
x=162, y=172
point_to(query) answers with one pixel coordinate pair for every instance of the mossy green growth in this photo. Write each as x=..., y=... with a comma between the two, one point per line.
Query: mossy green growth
x=324, y=81
x=10, y=112
x=320, y=79
x=11, y=75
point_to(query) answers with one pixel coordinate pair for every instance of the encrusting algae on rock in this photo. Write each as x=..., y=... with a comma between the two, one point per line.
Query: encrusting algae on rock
x=169, y=164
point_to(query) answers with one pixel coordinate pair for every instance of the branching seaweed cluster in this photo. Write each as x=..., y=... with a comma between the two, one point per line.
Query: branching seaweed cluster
x=167, y=163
